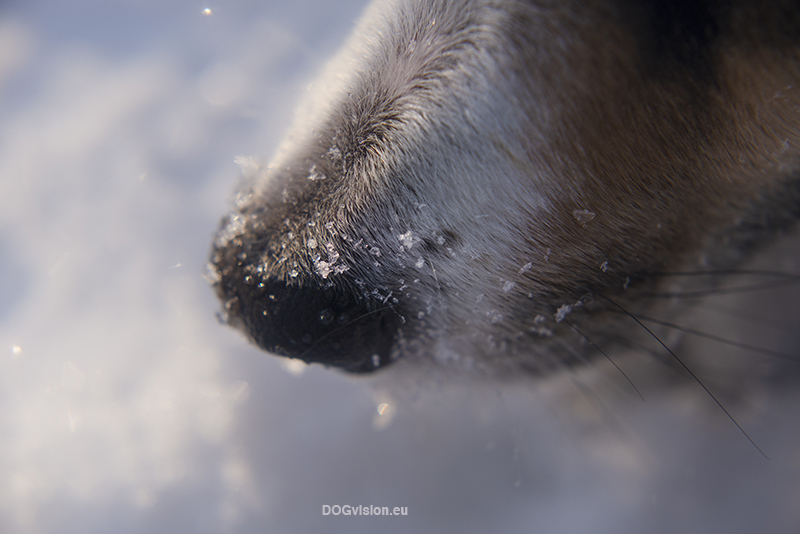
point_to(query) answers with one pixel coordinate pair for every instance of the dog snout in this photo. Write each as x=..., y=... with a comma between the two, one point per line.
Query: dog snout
x=311, y=320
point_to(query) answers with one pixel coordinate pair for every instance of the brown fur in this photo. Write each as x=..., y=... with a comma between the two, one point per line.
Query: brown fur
x=472, y=171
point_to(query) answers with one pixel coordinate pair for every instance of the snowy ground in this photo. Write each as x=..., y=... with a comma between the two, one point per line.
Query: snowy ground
x=126, y=407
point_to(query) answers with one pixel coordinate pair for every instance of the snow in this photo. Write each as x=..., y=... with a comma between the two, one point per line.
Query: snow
x=127, y=407
x=584, y=217
x=407, y=239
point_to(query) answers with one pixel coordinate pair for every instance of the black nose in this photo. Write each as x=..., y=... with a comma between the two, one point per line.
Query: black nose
x=333, y=325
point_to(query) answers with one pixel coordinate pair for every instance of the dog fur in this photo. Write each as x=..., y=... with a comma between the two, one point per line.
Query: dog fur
x=492, y=182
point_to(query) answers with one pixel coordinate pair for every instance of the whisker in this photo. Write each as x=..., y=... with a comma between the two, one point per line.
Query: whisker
x=607, y=357
x=724, y=272
x=587, y=390
x=610, y=417
x=691, y=373
x=783, y=280
x=748, y=315
x=719, y=339
x=752, y=288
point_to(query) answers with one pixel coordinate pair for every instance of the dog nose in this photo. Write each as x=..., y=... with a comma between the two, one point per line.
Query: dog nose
x=332, y=325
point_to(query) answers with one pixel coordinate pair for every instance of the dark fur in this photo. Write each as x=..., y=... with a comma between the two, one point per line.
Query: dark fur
x=488, y=168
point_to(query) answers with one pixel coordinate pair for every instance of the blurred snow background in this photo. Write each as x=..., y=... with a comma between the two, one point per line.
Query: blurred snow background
x=126, y=407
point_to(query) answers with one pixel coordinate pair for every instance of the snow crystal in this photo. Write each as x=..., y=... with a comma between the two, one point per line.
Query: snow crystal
x=407, y=239
x=211, y=275
x=323, y=268
x=333, y=255
x=335, y=153
x=233, y=229
x=314, y=174
x=583, y=216
x=248, y=164
x=562, y=312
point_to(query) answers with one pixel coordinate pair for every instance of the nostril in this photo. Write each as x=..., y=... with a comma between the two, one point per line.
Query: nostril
x=333, y=325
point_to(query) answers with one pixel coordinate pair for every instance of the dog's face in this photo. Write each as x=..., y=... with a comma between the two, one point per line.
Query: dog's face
x=477, y=179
